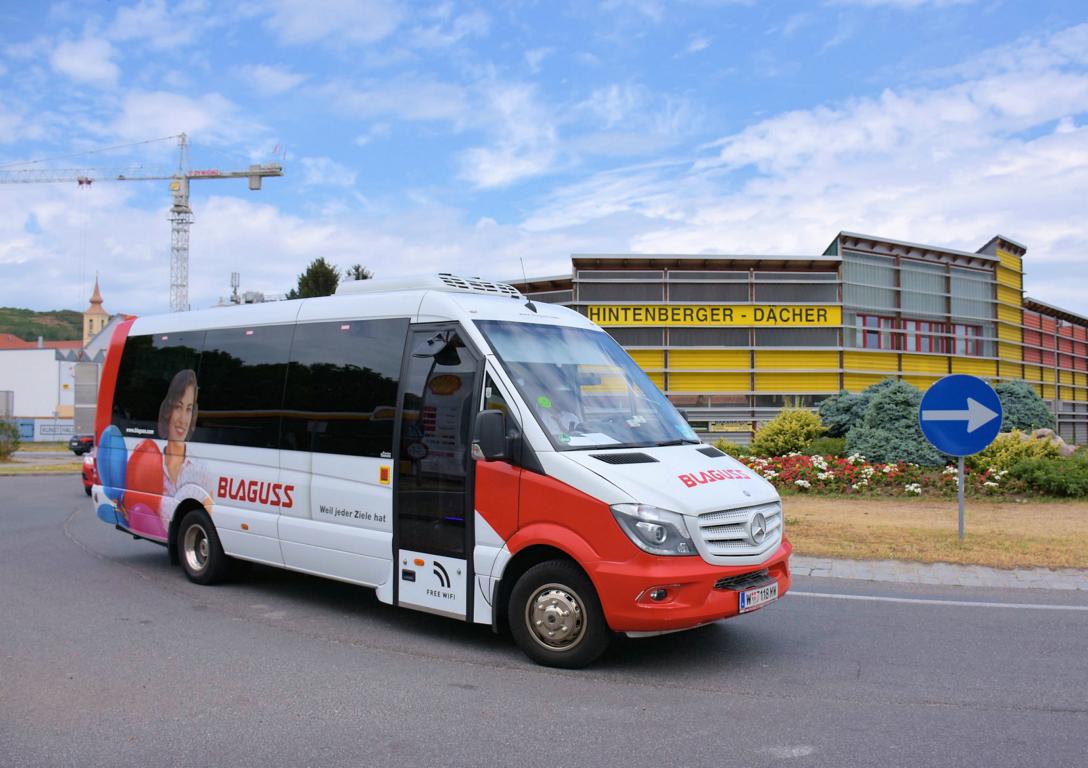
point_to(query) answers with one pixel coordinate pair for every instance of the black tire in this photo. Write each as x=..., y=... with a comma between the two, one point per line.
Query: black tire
x=555, y=616
x=201, y=555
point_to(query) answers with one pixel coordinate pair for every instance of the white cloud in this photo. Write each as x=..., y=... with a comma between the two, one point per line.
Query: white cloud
x=153, y=24
x=904, y=4
x=445, y=29
x=89, y=60
x=1004, y=152
x=615, y=103
x=526, y=139
x=376, y=131
x=323, y=171
x=351, y=22
x=406, y=97
x=697, y=43
x=651, y=9
x=535, y=57
x=268, y=80
x=210, y=119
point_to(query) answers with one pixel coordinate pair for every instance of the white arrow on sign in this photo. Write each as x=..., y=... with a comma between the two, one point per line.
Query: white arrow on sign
x=976, y=415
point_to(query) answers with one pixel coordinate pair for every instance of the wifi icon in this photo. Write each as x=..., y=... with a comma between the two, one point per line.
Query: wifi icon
x=443, y=576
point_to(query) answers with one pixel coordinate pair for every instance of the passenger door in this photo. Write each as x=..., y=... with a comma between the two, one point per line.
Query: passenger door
x=433, y=520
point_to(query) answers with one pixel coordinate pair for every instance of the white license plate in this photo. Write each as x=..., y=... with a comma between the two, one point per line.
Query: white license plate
x=750, y=599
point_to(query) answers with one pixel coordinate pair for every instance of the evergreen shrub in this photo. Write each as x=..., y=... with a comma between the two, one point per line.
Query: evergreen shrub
x=826, y=446
x=889, y=431
x=9, y=440
x=1022, y=408
x=733, y=449
x=1054, y=476
x=1008, y=448
x=791, y=430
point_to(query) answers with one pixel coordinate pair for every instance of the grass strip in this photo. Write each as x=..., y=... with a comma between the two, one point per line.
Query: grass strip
x=1047, y=534
x=44, y=447
x=12, y=468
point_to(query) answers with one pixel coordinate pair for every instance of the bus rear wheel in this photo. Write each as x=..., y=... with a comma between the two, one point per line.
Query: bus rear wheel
x=555, y=616
x=201, y=555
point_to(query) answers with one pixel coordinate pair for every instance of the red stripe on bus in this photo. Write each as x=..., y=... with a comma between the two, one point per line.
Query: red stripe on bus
x=104, y=411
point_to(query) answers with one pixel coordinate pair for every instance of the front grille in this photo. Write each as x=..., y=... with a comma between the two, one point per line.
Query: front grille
x=746, y=581
x=725, y=533
x=624, y=458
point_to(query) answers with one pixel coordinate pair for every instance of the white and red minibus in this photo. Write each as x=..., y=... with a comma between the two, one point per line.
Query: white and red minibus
x=456, y=447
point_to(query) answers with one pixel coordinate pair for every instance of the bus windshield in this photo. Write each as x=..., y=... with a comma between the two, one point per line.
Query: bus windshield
x=583, y=389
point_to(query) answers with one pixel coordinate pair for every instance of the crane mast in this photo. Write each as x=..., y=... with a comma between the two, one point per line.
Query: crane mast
x=181, y=214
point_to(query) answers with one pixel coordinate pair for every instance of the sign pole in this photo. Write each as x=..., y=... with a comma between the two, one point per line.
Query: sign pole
x=961, y=478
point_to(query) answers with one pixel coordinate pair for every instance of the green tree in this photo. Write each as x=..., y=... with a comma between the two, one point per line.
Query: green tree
x=9, y=440
x=357, y=272
x=319, y=279
x=1022, y=408
x=889, y=430
x=842, y=411
x=791, y=430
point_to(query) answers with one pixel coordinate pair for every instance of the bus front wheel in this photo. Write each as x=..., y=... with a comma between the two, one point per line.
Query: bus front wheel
x=199, y=550
x=555, y=616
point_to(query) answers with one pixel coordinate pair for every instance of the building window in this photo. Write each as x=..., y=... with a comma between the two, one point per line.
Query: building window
x=923, y=336
x=967, y=339
x=875, y=332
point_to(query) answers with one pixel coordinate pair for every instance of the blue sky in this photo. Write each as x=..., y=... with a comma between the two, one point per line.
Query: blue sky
x=466, y=137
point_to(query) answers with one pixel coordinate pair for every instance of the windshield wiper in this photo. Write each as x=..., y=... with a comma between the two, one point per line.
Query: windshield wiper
x=681, y=441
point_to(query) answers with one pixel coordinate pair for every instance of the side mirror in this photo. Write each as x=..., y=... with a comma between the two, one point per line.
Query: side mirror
x=684, y=414
x=489, y=436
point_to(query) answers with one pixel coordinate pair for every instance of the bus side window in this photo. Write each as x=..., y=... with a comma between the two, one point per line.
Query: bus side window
x=341, y=394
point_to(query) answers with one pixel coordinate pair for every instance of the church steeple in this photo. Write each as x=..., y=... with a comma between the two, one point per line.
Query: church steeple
x=94, y=316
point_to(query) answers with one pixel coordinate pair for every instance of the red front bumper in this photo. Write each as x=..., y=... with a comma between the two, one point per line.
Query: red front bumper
x=689, y=582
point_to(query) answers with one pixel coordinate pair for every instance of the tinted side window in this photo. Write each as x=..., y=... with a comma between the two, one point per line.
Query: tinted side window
x=241, y=385
x=148, y=365
x=341, y=392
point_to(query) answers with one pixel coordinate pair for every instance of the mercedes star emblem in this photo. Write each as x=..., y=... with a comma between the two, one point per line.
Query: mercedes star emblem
x=757, y=528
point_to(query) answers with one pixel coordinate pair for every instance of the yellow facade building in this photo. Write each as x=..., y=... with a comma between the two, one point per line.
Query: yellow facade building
x=734, y=338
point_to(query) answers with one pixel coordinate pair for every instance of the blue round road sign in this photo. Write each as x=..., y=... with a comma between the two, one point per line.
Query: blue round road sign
x=960, y=415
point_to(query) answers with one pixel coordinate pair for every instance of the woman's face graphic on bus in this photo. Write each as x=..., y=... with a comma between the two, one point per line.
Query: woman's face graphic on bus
x=181, y=415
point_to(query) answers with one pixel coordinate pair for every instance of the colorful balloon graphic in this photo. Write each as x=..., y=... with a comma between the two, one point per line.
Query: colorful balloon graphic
x=143, y=498
x=107, y=513
x=112, y=461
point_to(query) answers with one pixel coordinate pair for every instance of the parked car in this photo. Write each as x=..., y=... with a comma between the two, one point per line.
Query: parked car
x=80, y=444
x=89, y=469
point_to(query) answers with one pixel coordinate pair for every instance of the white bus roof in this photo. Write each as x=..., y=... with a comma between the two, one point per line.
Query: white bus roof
x=421, y=299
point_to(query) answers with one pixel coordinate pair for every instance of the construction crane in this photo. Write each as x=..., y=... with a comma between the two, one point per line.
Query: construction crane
x=181, y=214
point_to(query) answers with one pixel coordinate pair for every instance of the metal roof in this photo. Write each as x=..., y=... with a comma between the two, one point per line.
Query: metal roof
x=918, y=246
x=1049, y=309
x=688, y=260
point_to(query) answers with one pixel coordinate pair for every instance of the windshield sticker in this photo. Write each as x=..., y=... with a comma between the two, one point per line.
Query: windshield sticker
x=590, y=438
x=564, y=438
x=544, y=402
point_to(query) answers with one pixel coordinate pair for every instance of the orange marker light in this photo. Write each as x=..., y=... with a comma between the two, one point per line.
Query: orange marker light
x=420, y=561
x=245, y=526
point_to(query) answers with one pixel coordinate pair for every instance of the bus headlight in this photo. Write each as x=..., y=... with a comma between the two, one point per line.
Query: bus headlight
x=654, y=530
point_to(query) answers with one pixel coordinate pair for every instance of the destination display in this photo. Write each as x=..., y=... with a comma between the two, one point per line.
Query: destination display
x=759, y=315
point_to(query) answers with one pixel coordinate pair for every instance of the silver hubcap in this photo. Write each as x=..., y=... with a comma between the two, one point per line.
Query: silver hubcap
x=555, y=617
x=196, y=548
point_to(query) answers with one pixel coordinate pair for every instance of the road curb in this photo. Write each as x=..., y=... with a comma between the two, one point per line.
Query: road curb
x=946, y=574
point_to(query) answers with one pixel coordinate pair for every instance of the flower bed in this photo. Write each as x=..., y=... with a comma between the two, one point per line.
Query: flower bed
x=798, y=473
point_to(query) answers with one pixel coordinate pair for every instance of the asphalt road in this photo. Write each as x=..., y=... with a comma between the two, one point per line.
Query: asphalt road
x=108, y=656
